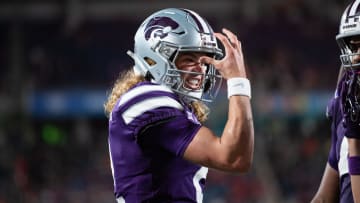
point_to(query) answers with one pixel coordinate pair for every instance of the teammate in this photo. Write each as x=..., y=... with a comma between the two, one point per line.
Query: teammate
x=341, y=179
x=159, y=147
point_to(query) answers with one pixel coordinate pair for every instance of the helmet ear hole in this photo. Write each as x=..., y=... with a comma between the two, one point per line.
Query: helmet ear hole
x=149, y=61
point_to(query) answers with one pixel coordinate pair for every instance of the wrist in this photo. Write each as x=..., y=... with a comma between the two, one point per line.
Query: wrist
x=238, y=86
x=354, y=165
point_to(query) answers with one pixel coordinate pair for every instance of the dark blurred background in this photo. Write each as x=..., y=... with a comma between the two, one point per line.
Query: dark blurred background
x=59, y=59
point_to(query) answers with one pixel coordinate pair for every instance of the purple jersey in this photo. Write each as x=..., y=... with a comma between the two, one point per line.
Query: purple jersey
x=339, y=150
x=149, y=130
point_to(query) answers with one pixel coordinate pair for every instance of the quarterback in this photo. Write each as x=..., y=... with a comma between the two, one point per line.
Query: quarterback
x=160, y=151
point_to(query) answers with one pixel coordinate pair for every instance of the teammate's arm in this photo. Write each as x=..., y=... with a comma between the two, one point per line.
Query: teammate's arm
x=233, y=151
x=328, y=191
x=354, y=151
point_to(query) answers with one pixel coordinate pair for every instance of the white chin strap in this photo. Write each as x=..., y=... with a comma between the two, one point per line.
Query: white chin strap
x=191, y=95
x=196, y=94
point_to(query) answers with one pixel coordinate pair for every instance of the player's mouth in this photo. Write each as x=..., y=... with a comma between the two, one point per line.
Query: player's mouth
x=193, y=83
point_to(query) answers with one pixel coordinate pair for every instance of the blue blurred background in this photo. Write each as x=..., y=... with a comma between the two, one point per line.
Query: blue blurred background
x=59, y=59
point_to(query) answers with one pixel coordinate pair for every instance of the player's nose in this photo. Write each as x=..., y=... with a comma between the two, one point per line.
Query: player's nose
x=198, y=67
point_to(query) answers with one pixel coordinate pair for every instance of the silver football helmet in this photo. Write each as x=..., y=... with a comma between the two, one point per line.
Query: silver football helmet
x=349, y=30
x=162, y=37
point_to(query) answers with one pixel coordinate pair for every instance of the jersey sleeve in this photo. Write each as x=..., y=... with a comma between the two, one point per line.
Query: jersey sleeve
x=330, y=109
x=154, y=115
x=173, y=134
x=331, y=115
x=332, y=160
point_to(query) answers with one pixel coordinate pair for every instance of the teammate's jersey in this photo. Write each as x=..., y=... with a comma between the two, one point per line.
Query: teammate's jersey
x=149, y=130
x=339, y=150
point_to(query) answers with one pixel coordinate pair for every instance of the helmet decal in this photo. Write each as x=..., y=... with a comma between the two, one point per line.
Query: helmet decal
x=161, y=27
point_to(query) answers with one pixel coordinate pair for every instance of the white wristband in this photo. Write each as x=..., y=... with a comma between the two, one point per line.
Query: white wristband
x=238, y=86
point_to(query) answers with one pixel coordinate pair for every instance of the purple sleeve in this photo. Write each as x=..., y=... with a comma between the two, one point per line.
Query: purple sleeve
x=173, y=134
x=330, y=113
x=332, y=160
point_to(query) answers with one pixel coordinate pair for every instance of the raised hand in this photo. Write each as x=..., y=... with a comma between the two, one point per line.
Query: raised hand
x=232, y=65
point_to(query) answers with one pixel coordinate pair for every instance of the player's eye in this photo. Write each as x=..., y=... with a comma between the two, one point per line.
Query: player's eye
x=353, y=44
x=353, y=47
x=189, y=61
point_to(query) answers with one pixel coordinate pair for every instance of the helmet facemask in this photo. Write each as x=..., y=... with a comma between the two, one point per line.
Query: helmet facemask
x=349, y=52
x=208, y=87
x=350, y=59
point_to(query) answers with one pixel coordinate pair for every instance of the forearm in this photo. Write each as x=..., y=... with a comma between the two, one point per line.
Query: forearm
x=238, y=136
x=354, y=151
x=328, y=191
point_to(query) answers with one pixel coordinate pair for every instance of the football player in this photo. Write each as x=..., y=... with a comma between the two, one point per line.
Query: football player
x=341, y=179
x=160, y=150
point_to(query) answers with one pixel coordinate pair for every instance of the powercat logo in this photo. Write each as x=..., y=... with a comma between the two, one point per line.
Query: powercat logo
x=161, y=27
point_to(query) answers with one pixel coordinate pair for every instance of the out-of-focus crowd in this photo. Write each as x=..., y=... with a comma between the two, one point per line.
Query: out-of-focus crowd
x=292, y=60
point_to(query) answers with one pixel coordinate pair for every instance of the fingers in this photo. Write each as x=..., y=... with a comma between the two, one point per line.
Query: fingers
x=232, y=49
x=232, y=38
x=207, y=60
x=225, y=41
x=230, y=42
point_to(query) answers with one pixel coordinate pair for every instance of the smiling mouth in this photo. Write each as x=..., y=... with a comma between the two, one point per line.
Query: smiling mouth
x=193, y=83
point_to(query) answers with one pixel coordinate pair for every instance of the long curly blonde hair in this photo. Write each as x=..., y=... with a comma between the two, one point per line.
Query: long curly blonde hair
x=128, y=79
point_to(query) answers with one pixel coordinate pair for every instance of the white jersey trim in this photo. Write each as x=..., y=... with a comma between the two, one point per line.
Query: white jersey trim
x=149, y=104
x=141, y=90
x=120, y=200
x=111, y=164
x=200, y=174
x=343, y=163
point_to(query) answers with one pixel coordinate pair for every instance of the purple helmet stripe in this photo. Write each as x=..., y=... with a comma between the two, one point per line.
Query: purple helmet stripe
x=209, y=27
x=196, y=19
x=357, y=10
x=203, y=22
x=348, y=9
x=354, y=7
